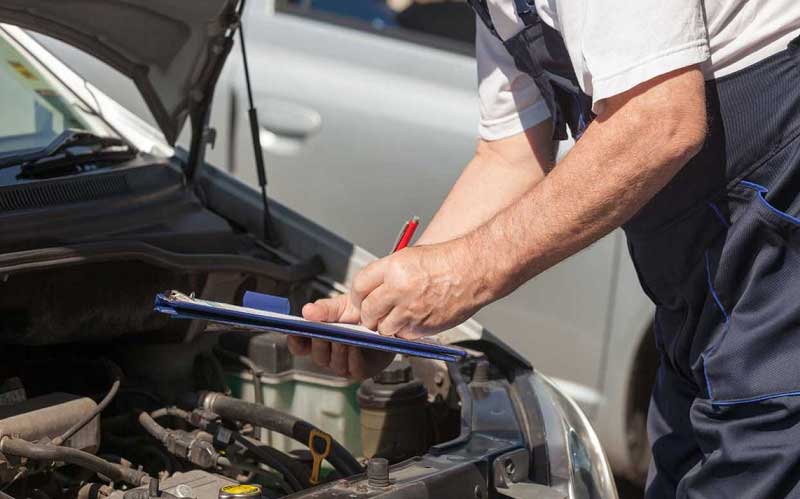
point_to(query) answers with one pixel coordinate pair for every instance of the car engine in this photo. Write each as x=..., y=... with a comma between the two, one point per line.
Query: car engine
x=138, y=421
x=223, y=413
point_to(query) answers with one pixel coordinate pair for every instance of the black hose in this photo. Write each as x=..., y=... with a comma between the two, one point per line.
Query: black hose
x=255, y=372
x=285, y=424
x=295, y=474
x=52, y=453
x=112, y=392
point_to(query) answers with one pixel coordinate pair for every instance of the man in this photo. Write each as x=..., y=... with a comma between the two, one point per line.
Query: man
x=688, y=114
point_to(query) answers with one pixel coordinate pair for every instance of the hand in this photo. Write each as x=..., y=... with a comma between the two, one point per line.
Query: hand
x=422, y=290
x=344, y=360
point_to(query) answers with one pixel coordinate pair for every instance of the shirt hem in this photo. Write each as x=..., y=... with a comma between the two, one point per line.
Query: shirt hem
x=686, y=55
x=511, y=125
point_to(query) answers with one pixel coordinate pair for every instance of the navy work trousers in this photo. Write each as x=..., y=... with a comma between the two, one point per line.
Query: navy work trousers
x=718, y=251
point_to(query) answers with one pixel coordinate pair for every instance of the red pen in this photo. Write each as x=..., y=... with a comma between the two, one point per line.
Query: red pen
x=406, y=233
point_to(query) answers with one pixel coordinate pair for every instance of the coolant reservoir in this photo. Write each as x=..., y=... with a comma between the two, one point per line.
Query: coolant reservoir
x=394, y=416
x=293, y=385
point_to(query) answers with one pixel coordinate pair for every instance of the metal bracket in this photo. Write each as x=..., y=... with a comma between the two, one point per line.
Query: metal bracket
x=510, y=471
x=209, y=137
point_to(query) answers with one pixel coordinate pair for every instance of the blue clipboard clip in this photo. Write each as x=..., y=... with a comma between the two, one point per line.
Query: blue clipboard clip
x=267, y=312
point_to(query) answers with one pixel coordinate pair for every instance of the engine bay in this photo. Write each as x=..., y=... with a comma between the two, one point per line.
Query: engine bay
x=100, y=421
x=99, y=397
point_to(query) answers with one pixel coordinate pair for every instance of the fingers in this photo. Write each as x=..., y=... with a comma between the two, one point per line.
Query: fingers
x=324, y=353
x=339, y=359
x=364, y=364
x=343, y=360
x=376, y=306
x=397, y=324
x=325, y=310
x=299, y=346
x=321, y=352
x=336, y=309
x=356, y=365
x=367, y=280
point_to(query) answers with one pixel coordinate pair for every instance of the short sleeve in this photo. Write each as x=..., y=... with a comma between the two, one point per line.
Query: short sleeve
x=509, y=99
x=626, y=43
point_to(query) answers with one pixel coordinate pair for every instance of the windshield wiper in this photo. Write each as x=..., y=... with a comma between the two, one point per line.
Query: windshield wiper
x=71, y=149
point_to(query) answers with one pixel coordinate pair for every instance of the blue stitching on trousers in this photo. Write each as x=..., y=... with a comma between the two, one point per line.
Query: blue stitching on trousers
x=713, y=347
x=717, y=212
x=708, y=382
x=760, y=189
x=714, y=292
x=759, y=398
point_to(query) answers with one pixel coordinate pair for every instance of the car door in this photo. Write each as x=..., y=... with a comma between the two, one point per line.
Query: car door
x=362, y=123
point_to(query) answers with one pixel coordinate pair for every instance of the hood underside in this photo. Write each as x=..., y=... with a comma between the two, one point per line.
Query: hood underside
x=172, y=49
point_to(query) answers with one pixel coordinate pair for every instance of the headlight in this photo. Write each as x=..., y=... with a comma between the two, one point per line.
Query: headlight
x=578, y=466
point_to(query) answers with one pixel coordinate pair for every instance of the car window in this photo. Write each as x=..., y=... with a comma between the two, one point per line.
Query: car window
x=446, y=24
x=34, y=109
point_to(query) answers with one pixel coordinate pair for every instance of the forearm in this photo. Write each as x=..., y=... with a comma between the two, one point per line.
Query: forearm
x=623, y=159
x=499, y=174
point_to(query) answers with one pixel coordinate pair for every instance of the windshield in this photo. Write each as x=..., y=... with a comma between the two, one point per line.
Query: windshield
x=35, y=108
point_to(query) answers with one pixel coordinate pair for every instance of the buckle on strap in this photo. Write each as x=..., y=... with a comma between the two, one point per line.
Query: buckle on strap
x=526, y=11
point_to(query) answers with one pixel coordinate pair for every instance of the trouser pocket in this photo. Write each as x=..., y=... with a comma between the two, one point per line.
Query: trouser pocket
x=751, y=315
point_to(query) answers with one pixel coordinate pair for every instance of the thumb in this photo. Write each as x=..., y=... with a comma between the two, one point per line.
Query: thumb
x=336, y=309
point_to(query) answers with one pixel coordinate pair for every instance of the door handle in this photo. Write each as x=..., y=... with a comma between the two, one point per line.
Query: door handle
x=287, y=118
x=284, y=126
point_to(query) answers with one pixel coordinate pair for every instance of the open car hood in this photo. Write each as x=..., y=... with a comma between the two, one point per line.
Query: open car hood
x=172, y=49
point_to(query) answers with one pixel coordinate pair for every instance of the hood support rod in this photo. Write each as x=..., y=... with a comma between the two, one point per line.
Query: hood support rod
x=270, y=236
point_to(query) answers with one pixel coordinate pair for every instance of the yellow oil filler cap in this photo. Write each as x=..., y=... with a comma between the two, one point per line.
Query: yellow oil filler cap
x=243, y=491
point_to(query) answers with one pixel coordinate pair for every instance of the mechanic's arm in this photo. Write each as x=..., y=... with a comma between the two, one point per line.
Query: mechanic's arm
x=638, y=143
x=634, y=148
x=501, y=172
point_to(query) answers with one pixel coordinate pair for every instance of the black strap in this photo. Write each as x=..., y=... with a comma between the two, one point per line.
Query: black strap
x=526, y=11
x=795, y=44
x=482, y=10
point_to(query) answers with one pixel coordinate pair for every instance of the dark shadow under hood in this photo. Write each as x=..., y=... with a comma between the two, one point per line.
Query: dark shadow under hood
x=172, y=49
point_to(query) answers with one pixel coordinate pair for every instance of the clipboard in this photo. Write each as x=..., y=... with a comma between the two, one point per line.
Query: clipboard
x=270, y=313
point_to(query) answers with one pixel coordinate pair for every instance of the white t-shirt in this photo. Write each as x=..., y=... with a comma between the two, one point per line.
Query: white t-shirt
x=615, y=45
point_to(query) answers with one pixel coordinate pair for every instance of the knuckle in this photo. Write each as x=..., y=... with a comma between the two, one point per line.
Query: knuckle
x=386, y=328
x=401, y=275
x=396, y=268
x=359, y=287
